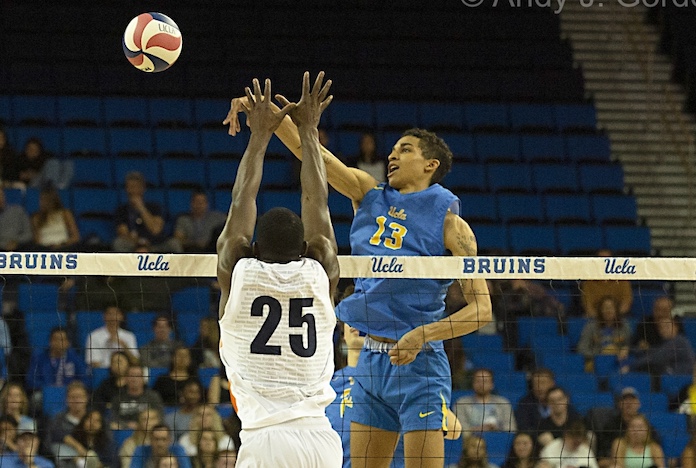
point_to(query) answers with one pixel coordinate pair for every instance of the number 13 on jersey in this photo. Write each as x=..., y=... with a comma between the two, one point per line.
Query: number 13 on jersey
x=395, y=240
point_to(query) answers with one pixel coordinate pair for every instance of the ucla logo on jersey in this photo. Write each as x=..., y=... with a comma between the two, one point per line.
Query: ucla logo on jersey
x=400, y=214
x=346, y=401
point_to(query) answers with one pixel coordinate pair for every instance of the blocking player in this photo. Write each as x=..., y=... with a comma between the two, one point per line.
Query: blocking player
x=276, y=308
x=403, y=378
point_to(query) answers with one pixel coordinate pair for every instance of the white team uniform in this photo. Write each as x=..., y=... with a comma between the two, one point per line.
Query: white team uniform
x=276, y=343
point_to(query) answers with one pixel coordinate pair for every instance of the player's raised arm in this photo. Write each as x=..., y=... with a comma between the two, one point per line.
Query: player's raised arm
x=349, y=181
x=235, y=240
x=318, y=231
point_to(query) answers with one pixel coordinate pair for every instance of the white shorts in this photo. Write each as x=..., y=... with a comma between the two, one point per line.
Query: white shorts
x=297, y=444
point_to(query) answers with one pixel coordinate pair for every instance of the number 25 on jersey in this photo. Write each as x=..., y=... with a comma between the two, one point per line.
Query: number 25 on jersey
x=296, y=320
x=395, y=240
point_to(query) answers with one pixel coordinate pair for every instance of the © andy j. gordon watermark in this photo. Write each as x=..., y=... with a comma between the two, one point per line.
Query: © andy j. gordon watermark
x=557, y=5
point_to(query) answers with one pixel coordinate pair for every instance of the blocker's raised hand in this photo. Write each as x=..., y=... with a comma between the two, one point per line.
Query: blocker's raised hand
x=308, y=110
x=262, y=118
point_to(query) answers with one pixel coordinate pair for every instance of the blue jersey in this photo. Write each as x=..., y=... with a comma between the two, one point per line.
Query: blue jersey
x=389, y=223
x=340, y=414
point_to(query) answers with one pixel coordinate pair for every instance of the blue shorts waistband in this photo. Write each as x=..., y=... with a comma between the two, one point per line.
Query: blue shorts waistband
x=383, y=347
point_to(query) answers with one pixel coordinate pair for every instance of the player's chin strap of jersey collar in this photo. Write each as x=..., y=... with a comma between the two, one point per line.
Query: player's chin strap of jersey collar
x=381, y=347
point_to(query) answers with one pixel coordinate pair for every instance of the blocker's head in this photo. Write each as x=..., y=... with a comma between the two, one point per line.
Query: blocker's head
x=279, y=236
x=419, y=154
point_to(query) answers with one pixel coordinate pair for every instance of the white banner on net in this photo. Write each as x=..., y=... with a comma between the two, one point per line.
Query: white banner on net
x=204, y=265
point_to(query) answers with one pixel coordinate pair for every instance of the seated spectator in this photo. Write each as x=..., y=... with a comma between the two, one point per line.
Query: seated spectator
x=570, y=450
x=646, y=335
x=462, y=368
x=147, y=420
x=54, y=226
x=106, y=340
x=58, y=365
x=594, y=290
x=15, y=227
x=92, y=442
x=195, y=231
x=64, y=423
x=161, y=446
x=523, y=452
x=205, y=418
x=474, y=454
x=26, y=456
x=8, y=160
x=608, y=333
x=688, y=457
x=139, y=223
x=533, y=407
x=31, y=162
x=205, y=351
x=158, y=352
x=561, y=415
x=8, y=435
x=228, y=459
x=637, y=448
x=208, y=452
x=368, y=160
x=191, y=402
x=126, y=406
x=14, y=402
x=484, y=411
x=115, y=383
x=170, y=385
x=673, y=356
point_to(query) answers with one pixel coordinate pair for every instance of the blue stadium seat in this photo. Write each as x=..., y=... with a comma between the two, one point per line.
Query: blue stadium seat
x=672, y=384
x=35, y=110
x=120, y=436
x=93, y=172
x=38, y=297
x=179, y=202
x=396, y=115
x=53, y=400
x=491, y=237
x=612, y=209
x=509, y=177
x=481, y=207
x=210, y=112
x=453, y=451
x=5, y=110
x=192, y=299
x=674, y=446
x=579, y=240
x=498, y=446
x=627, y=239
x=86, y=322
x=542, y=148
x=526, y=239
x=94, y=202
x=140, y=323
x=122, y=111
x=571, y=382
x=550, y=343
x=84, y=142
x=99, y=374
x=340, y=206
x=655, y=401
x=497, y=361
x=154, y=373
x=532, y=117
x=130, y=141
x=437, y=116
x=154, y=195
x=177, y=143
x=102, y=229
x=567, y=208
x=605, y=178
x=168, y=111
x=461, y=145
x=80, y=110
x=638, y=380
x=14, y=196
x=184, y=173
x=206, y=374
x=588, y=148
x=287, y=198
x=466, y=177
x=222, y=199
x=574, y=327
x=514, y=382
x=561, y=363
x=187, y=327
x=668, y=424
x=32, y=195
x=386, y=141
x=520, y=207
x=530, y=326
x=571, y=117
x=351, y=115
x=497, y=147
x=40, y=322
x=277, y=174
x=222, y=173
x=583, y=402
x=148, y=167
x=348, y=143
x=605, y=365
x=215, y=143
x=486, y=116
x=51, y=138
x=477, y=342
x=342, y=233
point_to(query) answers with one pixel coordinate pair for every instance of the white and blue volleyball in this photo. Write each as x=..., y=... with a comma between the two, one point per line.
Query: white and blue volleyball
x=152, y=42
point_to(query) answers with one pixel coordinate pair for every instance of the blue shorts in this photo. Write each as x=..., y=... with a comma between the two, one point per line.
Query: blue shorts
x=413, y=397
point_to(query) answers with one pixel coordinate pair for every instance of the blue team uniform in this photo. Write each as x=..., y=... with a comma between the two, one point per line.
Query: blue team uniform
x=388, y=223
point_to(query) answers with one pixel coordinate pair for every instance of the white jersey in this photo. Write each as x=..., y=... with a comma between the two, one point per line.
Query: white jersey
x=276, y=341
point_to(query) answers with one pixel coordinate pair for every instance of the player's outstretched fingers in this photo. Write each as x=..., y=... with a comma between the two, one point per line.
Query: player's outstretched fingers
x=282, y=100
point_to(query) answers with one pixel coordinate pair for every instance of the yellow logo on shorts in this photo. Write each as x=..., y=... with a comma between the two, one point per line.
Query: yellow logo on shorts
x=346, y=401
x=423, y=415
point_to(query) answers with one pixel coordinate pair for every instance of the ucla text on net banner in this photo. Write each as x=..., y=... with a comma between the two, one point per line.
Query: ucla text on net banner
x=204, y=265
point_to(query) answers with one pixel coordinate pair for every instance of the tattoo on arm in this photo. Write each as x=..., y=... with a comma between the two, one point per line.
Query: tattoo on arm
x=467, y=245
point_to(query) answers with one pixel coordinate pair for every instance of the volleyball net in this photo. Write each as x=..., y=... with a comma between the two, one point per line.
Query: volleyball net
x=538, y=305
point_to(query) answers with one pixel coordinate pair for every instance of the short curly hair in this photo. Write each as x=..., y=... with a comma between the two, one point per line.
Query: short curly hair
x=433, y=147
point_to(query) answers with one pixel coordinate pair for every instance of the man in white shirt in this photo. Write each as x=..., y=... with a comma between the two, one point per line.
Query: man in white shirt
x=484, y=411
x=106, y=340
x=571, y=450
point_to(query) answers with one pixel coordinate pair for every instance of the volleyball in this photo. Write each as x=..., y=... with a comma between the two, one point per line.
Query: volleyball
x=152, y=42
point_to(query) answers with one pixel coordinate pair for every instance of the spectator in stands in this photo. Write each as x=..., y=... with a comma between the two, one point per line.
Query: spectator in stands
x=58, y=365
x=170, y=385
x=8, y=434
x=688, y=457
x=594, y=290
x=607, y=333
x=195, y=231
x=15, y=227
x=31, y=162
x=158, y=352
x=532, y=408
x=571, y=449
x=126, y=406
x=190, y=404
x=474, y=454
x=204, y=351
x=462, y=368
x=637, y=447
x=368, y=160
x=484, y=411
x=8, y=160
x=205, y=418
x=53, y=226
x=207, y=450
x=646, y=335
x=14, y=402
x=115, y=383
x=106, y=340
x=673, y=356
x=146, y=456
x=561, y=416
x=139, y=223
x=523, y=452
x=92, y=442
x=63, y=424
x=228, y=459
x=147, y=420
x=27, y=453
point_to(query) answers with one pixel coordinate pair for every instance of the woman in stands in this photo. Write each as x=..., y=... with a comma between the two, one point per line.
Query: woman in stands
x=92, y=442
x=206, y=418
x=54, y=226
x=170, y=385
x=31, y=162
x=147, y=419
x=208, y=451
x=114, y=382
x=474, y=454
x=637, y=449
x=368, y=160
x=14, y=402
x=609, y=333
x=524, y=452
